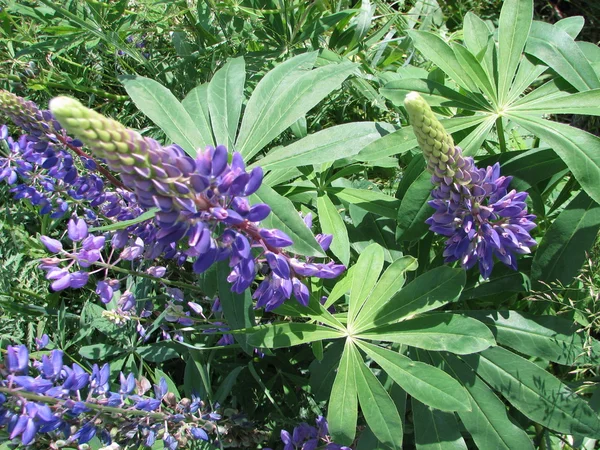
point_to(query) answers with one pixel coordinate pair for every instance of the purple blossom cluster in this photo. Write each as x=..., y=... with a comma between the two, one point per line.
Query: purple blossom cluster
x=480, y=217
x=307, y=437
x=65, y=404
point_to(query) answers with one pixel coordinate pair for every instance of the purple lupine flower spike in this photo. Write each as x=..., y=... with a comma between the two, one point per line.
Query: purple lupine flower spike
x=473, y=207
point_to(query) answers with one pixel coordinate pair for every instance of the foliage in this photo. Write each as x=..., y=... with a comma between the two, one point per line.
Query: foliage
x=265, y=249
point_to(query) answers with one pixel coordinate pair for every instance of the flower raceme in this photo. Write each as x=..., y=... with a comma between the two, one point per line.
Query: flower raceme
x=473, y=206
x=201, y=202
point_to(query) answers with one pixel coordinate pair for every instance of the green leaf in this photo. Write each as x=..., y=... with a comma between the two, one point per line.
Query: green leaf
x=576, y=148
x=158, y=352
x=478, y=39
x=288, y=334
x=343, y=402
x=472, y=142
x=536, y=393
x=161, y=106
x=126, y=223
x=548, y=337
x=487, y=422
x=375, y=202
x=364, y=276
x=331, y=144
x=314, y=311
x=227, y=384
x=363, y=22
x=294, y=99
x=475, y=70
x=404, y=139
x=429, y=291
x=100, y=351
x=559, y=51
x=513, y=28
x=563, y=249
x=172, y=387
x=237, y=308
x=436, y=430
x=436, y=94
x=435, y=49
x=436, y=331
x=377, y=406
x=426, y=383
x=390, y=282
x=285, y=218
x=225, y=98
x=580, y=103
x=259, y=111
x=322, y=373
x=332, y=223
x=414, y=209
x=196, y=104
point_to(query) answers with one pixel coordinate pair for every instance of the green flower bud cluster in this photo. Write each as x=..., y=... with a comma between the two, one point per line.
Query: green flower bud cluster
x=26, y=115
x=125, y=150
x=444, y=159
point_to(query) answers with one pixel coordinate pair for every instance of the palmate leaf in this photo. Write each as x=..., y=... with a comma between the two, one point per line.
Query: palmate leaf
x=478, y=39
x=343, y=401
x=225, y=98
x=161, y=106
x=536, y=393
x=196, y=104
x=332, y=223
x=429, y=291
x=580, y=103
x=578, y=149
x=436, y=331
x=513, y=28
x=377, y=406
x=548, y=337
x=375, y=202
x=487, y=421
x=426, y=383
x=289, y=334
x=563, y=249
x=364, y=277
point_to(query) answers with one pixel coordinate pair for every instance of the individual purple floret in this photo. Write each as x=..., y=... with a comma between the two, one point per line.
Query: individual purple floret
x=307, y=437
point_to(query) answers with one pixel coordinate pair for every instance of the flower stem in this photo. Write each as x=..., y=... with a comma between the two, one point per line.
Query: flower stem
x=501, y=137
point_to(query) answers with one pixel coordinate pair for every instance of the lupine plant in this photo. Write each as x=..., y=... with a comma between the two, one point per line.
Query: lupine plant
x=358, y=217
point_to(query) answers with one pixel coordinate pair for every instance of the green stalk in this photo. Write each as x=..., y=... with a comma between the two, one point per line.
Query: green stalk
x=501, y=137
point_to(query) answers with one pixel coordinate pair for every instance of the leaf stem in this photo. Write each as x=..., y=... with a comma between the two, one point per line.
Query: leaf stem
x=501, y=137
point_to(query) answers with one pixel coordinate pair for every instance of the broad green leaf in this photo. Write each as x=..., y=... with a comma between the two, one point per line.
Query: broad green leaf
x=258, y=111
x=471, y=144
x=487, y=422
x=559, y=51
x=363, y=22
x=563, y=249
x=158, y=352
x=436, y=94
x=436, y=430
x=172, y=387
x=390, y=282
x=424, y=382
x=571, y=25
x=341, y=288
x=331, y=144
x=513, y=28
x=503, y=281
x=196, y=104
x=577, y=149
x=314, y=310
x=436, y=331
x=580, y=103
x=375, y=202
x=285, y=218
x=364, y=276
x=404, y=139
x=528, y=72
x=367, y=228
x=377, y=406
x=225, y=98
x=161, y=106
x=552, y=89
x=547, y=337
x=414, y=209
x=332, y=223
x=227, y=384
x=288, y=334
x=429, y=291
x=298, y=96
x=100, y=351
x=479, y=41
x=343, y=402
x=536, y=393
x=435, y=49
x=314, y=29
x=237, y=308
x=475, y=70
x=126, y=223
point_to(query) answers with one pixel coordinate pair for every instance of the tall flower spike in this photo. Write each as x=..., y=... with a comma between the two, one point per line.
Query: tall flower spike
x=26, y=115
x=474, y=208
